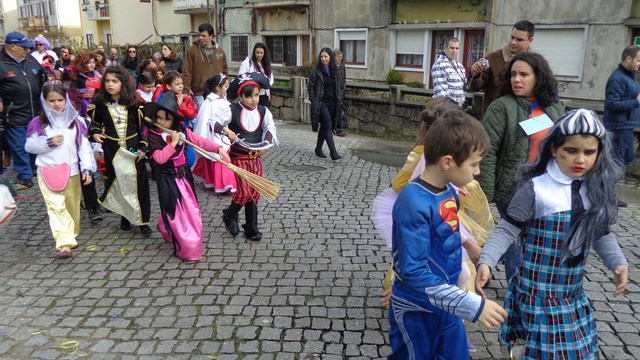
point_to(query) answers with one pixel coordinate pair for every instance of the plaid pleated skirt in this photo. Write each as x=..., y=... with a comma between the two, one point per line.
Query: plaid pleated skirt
x=546, y=304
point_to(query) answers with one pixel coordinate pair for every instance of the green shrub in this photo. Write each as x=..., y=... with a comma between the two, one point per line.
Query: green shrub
x=415, y=84
x=394, y=77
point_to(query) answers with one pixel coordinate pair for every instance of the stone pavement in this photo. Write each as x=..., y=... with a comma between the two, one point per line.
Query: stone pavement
x=309, y=290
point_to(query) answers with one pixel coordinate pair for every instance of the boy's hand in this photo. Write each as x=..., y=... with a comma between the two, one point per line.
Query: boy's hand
x=483, y=273
x=98, y=138
x=492, y=314
x=179, y=99
x=620, y=278
x=386, y=298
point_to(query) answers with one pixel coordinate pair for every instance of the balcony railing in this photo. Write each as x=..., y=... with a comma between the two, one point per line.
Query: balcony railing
x=96, y=11
x=34, y=23
x=192, y=6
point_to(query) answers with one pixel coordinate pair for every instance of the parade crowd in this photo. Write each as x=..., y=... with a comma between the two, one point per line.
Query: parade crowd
x=551, y=174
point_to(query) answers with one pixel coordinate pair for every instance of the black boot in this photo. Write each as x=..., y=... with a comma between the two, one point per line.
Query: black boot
x=319, y=145
x=124, y=224
x=332, y=146
x=230, y=218
x=251, y=231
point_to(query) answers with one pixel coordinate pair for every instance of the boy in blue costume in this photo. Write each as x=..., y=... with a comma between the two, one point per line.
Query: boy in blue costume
x=427, y=307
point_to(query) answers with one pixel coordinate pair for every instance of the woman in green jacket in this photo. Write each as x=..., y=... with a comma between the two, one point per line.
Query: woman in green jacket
x=516, y=123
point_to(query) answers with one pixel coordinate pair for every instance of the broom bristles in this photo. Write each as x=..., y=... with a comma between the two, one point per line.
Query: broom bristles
x=267, y=188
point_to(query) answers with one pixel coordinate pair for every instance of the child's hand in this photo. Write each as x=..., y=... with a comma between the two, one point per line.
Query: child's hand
x=464, y=192
x=175, y=138
x=231, y=135
x=87, y=178
x=141, y=155
x=483, y=273
x=261, y=152
x=492, y=314
x=223, y=154
x=620, y=278
x=99, y=138
x=386, y=298
x=55, y=141
x=179, y=99
x=473, y=250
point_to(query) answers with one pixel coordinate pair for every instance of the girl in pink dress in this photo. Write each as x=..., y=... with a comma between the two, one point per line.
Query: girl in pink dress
x=215, y=109
x=180, y=222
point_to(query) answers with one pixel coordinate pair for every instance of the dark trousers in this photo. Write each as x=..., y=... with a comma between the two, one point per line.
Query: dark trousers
x=623, y=145
x=325, y=132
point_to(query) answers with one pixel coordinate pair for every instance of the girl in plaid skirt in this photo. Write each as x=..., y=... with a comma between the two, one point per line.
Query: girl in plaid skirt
x=564, y=206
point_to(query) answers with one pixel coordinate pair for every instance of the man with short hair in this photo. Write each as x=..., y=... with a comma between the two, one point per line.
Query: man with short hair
x=203, y=60
x=114, y=57
x=21, y=79
x=448, y=74
x=487, y=78
x=622, y=105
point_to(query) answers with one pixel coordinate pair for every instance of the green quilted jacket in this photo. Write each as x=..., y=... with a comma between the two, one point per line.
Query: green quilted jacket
x=509, y=146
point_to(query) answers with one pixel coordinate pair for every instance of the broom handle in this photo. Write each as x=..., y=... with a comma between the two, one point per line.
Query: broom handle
x=203, y=152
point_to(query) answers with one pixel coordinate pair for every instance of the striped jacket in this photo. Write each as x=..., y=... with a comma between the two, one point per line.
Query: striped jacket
x=449, y=77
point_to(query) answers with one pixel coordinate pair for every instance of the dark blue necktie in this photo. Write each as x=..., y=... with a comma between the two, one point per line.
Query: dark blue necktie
x=577, y=207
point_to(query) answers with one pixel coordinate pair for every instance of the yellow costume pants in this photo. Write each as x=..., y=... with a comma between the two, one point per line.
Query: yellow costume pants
x=63, y=209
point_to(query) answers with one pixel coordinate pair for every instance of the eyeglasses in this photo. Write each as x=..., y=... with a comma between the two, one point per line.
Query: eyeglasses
x=39, y=44
x=132, y=51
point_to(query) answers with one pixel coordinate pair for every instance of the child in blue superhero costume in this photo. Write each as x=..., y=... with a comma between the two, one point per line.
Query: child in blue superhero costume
x=427, y=307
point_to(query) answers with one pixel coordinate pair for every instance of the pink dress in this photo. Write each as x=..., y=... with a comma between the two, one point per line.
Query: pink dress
x=180, y=222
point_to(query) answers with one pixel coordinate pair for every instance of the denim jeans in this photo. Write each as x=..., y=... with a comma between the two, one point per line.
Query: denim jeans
x=198, y=99
x=22, y=162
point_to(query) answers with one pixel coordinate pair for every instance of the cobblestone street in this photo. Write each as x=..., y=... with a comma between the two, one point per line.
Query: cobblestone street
x=309, y=290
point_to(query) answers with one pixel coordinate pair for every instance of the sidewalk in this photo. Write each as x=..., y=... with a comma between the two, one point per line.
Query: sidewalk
x=309, y=290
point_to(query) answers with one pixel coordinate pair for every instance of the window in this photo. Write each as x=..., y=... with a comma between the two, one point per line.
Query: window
x=108, y=38
x=90, y=43
x=353, y=44
x=410, y=49
x=564, y=48
x=168, y=39
x=239, y=47
x=283, y=49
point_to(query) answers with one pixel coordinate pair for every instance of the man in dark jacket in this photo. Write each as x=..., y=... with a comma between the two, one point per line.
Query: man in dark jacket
x=622, y=104
x=21, y=80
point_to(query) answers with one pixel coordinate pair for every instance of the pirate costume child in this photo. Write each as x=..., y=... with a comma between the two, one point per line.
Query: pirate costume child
x=253, y=123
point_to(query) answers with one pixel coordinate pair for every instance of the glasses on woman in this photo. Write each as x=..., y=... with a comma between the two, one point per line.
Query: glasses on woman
x=132, y=51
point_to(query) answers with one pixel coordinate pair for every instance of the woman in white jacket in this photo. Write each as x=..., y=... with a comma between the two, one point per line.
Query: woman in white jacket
x=64, y=158
x=259, y=61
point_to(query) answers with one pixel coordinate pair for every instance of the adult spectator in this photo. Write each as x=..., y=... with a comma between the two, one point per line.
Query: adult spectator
x=21, y=78
x=100, y=48
x=64, y=60
x=203, y=60
x=449, y=76
x=323, y=94
x=170, y=57
x=43, y=48
x=529, y=96
x=131, y=60
x=114, y=57
x=622, y=106
x=487, y=78
x=259, y=61
x=341, y=76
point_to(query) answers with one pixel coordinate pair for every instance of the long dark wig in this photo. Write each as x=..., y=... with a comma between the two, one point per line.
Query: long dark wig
x=600, y=180
x=546, y=89
x=127, y=92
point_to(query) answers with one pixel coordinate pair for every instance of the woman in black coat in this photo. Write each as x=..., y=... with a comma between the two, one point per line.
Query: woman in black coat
x=323, y=94
x=170, y=57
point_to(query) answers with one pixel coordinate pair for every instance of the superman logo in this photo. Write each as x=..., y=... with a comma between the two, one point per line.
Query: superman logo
x=448, y=210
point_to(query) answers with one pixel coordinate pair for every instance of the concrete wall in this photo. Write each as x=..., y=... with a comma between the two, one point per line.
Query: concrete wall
x=607, y=36
x=375, y=15
x=433, y=10
x=10, y=8
x=168, y=23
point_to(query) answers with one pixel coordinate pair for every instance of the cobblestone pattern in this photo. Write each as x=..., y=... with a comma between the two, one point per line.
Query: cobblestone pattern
x=309, y=290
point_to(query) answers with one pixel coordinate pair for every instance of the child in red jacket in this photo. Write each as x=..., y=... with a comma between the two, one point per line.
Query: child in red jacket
x=172, y=80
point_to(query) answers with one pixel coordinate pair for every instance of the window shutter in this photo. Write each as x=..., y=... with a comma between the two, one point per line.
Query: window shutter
x=410, y=42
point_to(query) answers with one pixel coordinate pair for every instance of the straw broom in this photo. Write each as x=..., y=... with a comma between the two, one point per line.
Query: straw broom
x=267, y=188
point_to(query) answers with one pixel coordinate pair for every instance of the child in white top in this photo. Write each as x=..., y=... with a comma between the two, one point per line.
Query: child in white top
x=58, y=137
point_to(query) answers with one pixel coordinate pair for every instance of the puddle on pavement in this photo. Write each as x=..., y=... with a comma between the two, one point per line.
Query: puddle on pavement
x=381, y=157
